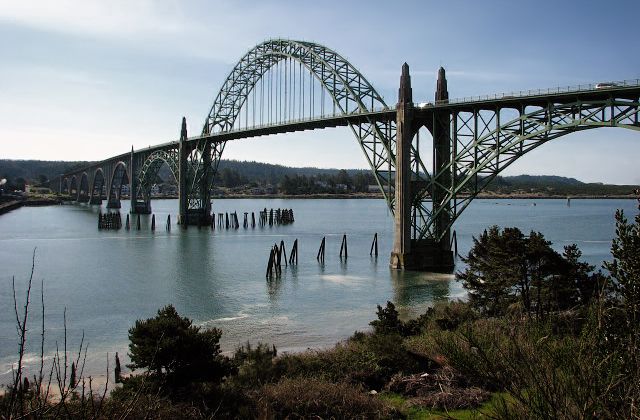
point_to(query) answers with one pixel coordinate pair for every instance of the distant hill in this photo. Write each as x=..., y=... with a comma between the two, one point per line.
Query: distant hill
x=233, y=173
x=32, y=171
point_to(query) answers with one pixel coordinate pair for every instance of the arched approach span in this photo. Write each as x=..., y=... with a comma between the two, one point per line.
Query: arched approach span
x=98, y=182
x=118, y=179
x=151, y=166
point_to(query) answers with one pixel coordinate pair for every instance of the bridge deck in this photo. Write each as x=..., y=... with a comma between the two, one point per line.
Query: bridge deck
x=622, y=90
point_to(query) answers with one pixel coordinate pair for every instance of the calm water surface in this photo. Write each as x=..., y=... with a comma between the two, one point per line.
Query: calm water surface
x=108, y=279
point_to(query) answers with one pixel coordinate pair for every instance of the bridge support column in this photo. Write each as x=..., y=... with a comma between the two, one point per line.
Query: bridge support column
x=183, y=196
x=444, y=176
x=138, y=206
x=413, y=253
x=401, y=255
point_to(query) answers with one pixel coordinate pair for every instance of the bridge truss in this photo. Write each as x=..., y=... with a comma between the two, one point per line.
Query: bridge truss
x=282, y=86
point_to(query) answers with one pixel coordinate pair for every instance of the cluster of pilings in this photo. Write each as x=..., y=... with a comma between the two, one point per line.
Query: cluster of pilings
x=110, y=221
x=114, y=221
x=230, y=220
x=277, y=255
x=276, y=217
x=274, y=266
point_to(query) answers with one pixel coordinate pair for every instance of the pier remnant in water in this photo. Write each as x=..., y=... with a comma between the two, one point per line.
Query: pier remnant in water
x=374, y=245
x=343, y=246
x=109, y=221
x=284, y=252
x=153, y=222
x=127, y=226
x=294, y=253
x=168, y=222
x=320, y=256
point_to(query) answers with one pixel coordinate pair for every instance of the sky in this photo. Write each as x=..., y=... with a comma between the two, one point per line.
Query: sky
x=89, y=79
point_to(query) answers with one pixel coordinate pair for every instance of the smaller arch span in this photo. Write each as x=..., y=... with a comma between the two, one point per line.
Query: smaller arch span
x=119, y=179
x=97, y=186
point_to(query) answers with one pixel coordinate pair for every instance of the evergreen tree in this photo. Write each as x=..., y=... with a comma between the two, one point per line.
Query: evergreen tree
x=505, y=267
x=171, y=346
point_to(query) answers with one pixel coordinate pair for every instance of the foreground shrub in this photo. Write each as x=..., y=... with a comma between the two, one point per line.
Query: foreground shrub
x=547, y=376
x=317, y=398
x=444, y=389
x=176, y=350
x=369, y=360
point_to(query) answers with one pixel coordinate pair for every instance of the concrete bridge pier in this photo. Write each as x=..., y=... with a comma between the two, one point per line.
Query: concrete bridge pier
x=412, y=253
x=194, y=205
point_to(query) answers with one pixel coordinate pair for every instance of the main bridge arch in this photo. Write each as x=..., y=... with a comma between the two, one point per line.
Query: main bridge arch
x=348, y=89
x=483, y=145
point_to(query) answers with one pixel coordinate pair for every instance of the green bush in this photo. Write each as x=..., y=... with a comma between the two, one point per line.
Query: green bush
x=175, y=350
x=369, y=360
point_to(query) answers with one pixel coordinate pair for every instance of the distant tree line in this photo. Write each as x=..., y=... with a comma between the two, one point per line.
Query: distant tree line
x=288, y=180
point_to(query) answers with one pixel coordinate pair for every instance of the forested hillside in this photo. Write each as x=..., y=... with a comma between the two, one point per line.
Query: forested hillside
x=245, y=176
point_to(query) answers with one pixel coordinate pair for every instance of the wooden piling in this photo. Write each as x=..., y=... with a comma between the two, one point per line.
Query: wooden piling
x=294, y=253
x=343, y=246
x=278, y=257
x=138, y=223
x=127, y=225
x=374, y=245
x=253, y=219
x=454, y=242
x=213, y=221
x=168, y=222
x=284, y=252
x=320, y=256
x=226, y=220
x=270, y=264
x=153, y=222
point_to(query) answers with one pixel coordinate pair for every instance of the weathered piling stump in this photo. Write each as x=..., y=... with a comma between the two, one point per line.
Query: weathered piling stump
x=138, y=223
x=320, y=256
x=153, y=222
x=374, y=245
x=270, y=264
x=284, y=252
x=168, y=222
x=294, y=253
x=127, y=225
x=454, y=242
x=343, y=246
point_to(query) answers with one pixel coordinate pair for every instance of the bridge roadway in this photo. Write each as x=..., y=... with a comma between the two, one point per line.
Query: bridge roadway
x=584, y=93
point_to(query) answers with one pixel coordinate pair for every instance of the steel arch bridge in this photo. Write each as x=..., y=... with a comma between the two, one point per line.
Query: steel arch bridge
x=282, y=86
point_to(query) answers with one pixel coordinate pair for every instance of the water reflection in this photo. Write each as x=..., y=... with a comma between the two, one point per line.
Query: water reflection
x=414, y=291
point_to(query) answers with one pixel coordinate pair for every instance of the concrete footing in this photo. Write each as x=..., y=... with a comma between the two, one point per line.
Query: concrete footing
x=424, y=256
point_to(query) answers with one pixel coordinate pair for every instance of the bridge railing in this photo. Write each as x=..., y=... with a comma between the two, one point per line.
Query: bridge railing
x=292, y=121
x=549, y=91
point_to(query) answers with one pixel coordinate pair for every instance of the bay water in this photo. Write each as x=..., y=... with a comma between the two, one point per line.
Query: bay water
x=105, y=279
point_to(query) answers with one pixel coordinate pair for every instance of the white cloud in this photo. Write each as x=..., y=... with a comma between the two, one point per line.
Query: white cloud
x=167, y=26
